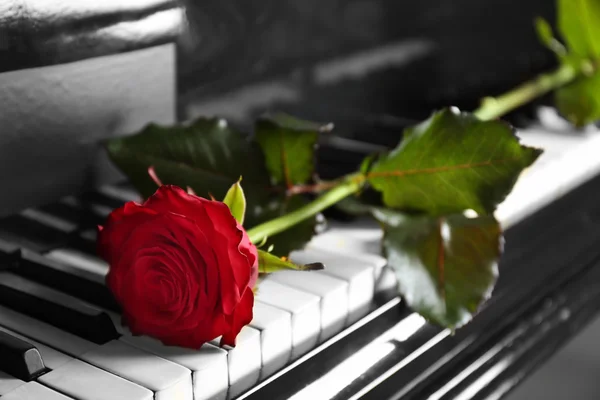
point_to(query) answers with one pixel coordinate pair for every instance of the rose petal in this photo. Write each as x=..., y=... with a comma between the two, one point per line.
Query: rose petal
x=240, y=318
x=118, y=227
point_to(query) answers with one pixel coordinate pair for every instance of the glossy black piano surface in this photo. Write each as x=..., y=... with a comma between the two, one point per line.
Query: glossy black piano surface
x=302, y=57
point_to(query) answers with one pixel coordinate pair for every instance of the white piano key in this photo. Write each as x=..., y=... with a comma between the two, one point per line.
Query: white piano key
x=304, y=309
x=569, y=159
x=120, y=193
x=49, y=220
x=157, y=374
x=166, y=379
x=93, y=266
x=86, y=382
x=52, y=359
x=44, y=333
x=275, y=326
x=362, y=236
x=210, y=375
x=8, y=383
x=333, y=293
x=352, y=269
x=244, y=361
x=34, y=391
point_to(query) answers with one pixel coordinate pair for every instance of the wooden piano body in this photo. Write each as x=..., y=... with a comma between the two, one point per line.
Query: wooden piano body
x=71, y=76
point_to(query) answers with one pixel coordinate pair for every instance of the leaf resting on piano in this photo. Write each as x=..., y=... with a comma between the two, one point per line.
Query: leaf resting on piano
x=289, y=146
x=209, y=156
x=579, y=25
x=446, y=266
x=450, y=163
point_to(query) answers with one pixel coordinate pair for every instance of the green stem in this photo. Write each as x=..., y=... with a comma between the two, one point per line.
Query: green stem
x=495, y=107
x=491, y=108
x=352, y=184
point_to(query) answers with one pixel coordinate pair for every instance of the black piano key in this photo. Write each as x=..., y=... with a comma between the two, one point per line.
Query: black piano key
x=10, y=253
x=20, y=358
x=96, y=198
x=73, y=281
x=31, y=234
x=76, y=214
x=84, y=243
x=56, y=308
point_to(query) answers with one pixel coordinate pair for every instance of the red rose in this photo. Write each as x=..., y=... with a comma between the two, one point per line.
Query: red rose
x=181, y=267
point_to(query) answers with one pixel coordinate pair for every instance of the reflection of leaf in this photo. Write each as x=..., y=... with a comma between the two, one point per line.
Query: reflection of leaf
x=579, y=102
x=446, y=267
x=268, y=263
x=289, y=147
x=236, y=201
x=450, y=163
x=209, y=157
x=579, y=24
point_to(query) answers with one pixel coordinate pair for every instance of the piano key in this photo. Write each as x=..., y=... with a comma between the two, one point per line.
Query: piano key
x=78, y=216
x=102, y=200
x=243, y=361
x=86, y=382
x=49, y=220
x=352, y=269
x=10, y=254
x=52, y=358
x=304, y=309
x=210, y=375
x=20, y=358
x=98, y=211
x=275, y=328
x=44, y=333
x=157, y=374
x=56, y=308
x=333, y=293
x=569, y=159
x=34, y=391
x=362, y=236
x=165, y=378
x=94, y=267
x=209, y=365
x=31, y=234
x=121, y=193
x=82, y=244
x=58, y=271
x=8, y=383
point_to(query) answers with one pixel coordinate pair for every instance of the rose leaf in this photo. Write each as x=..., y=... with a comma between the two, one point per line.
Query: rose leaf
x=236, y=201
x=450, y=163
x=268, y=263
x=206, y=155
x=579, y=24
x=579, y=101
x=289, y=146
x=446, y=267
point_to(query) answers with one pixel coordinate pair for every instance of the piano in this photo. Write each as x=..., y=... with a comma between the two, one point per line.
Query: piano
x=72, y=74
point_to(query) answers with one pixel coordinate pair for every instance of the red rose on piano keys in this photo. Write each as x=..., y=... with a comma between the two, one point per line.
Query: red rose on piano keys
x=181, y=267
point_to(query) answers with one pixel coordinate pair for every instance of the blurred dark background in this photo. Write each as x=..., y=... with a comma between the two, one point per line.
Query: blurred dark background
x=378, y=56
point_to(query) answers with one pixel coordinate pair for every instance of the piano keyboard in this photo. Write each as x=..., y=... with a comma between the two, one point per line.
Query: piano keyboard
x=60, y=330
